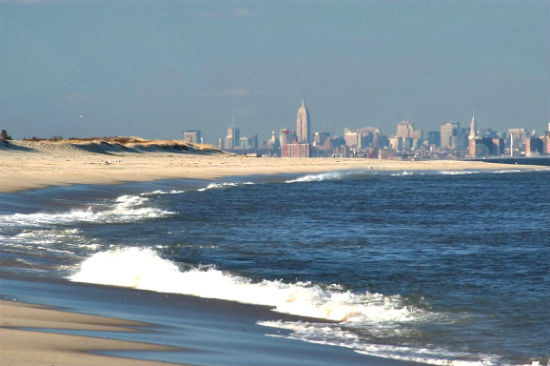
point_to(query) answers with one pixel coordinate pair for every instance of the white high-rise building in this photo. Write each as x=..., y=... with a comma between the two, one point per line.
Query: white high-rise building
x=303, y=125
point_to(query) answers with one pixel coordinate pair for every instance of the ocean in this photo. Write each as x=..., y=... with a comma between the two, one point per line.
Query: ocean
x=435, y=267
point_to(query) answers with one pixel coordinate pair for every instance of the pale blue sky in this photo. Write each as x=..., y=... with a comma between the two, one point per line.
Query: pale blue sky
x=153, y=68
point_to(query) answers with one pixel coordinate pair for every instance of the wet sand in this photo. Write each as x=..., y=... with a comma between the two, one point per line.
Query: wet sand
x=21, y=346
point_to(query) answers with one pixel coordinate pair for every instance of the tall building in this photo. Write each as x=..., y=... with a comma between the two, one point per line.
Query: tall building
x=193, y=136
x=434, y=138
x=232, y=139
x=303, y=125
x=405, y=130
x=450, y=132
x=517, y=138
x=472, y=137
x=406, y=137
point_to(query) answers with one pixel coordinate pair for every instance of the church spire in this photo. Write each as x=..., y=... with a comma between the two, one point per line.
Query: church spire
x=473, y=127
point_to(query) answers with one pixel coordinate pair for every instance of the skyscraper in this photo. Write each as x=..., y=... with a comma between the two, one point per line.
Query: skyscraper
x=303, y=125
x=472, y=137
x=449, y=135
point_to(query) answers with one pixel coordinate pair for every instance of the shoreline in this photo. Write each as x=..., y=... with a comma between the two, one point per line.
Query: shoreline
x=33, y=165
x=27, y=339
x=60, y=165
x=73, y=323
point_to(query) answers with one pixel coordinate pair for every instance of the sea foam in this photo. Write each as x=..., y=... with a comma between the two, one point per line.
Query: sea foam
x=381, y=315
x=126, y=208
x=143, y=268
x=339, y=175
x=338, y=335
x=320, y=177
x=222, y=185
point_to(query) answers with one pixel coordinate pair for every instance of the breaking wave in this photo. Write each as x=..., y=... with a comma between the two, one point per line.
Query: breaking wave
x=160, y=192
x=143, y=268
x=338, y=175
x=320, y=177
x=222, y=185
x=127, y=208
x=380, y=315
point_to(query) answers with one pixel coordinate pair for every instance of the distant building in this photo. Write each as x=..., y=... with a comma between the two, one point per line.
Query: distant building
x=406, y=137
x=303, y=125
x=370, y=137
x=434, y=138
x=472, y=137
x=232, y=139
x=534, y=146
x=353, y=139
x=485, y=144
x=296, y=151
x=517, y=137
x=286, y=136
x=193, y=136
x=249, y=143
x=322, y=144
x=450, y=135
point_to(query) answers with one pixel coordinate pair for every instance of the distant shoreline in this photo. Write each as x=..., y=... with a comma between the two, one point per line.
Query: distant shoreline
x=523, y=160
x=38, y=164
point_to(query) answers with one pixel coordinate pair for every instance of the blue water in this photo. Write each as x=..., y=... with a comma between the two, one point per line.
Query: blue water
x=435, y=267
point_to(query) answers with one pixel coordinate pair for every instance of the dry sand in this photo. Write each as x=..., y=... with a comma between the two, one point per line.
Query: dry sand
x=24, y=347
x=30, y=165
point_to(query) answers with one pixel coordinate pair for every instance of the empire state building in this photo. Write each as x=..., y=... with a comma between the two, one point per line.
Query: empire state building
x=303, y=125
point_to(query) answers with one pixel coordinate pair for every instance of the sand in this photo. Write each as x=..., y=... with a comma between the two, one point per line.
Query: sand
x=31, y=165
x=24, y=347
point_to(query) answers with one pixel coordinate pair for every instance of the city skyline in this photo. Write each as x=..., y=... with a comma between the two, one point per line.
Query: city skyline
x=79, y=68
x=452, y=140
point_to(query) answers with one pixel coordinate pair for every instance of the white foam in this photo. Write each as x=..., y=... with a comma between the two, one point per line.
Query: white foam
x=382, y=315
x=222, y=185
x=501, y=171
x=405, y=173
x=336, y=335
x=336, y=175
x=127, y=208
x=145, y=269
x=159, y=192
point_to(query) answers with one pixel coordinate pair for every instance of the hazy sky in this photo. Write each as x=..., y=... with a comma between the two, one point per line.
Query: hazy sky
x=154, y=68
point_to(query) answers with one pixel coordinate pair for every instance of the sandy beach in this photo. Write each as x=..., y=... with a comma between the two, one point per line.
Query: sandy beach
x=24, y=347
x=32, y=165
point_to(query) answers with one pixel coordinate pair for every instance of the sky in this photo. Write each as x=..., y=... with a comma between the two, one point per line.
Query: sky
x=153, y=68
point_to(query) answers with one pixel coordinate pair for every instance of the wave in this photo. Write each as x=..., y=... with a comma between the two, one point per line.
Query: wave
x=405, y=173
x=337, y=335
x=55, y=240
x=320, y=177
x=127, y=208
x=143, y=268
x=160, y=192
x=222, y=185
x=338, y=175
x=381, y=316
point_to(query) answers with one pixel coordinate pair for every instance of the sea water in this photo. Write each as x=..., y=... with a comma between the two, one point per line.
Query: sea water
x=439, y=267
